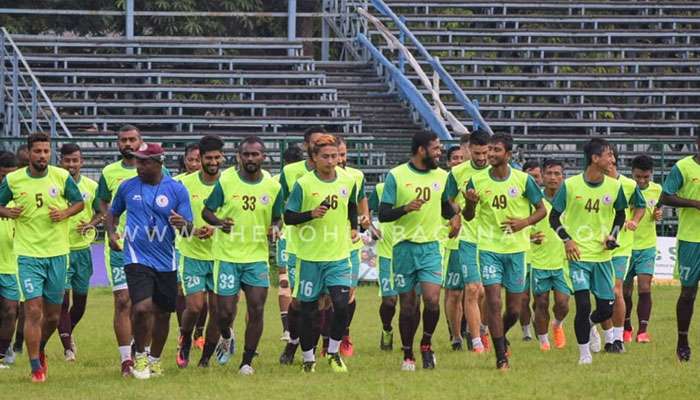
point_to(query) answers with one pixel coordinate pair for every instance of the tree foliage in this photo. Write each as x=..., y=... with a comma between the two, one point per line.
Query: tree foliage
x=152, y=25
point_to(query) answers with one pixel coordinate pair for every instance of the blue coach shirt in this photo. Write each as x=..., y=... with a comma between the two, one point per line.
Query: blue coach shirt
x=149, y=239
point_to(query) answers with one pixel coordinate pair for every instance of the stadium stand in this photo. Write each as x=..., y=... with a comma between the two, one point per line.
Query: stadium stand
x=546, y=72
x=563, y=67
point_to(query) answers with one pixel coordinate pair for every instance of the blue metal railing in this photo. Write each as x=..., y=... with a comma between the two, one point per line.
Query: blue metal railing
x=472, y=108
x=407, y=90
x=20, y=100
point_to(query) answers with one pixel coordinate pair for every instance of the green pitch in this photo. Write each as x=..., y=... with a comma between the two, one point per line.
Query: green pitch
x=644, y=371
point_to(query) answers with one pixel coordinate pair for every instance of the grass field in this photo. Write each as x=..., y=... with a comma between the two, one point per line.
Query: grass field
x=644, y=371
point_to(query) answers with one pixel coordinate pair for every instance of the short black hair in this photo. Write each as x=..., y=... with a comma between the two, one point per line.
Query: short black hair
x=550, y=162
x=422, y=139
x=69, y=148
x=191, y=147
x=616, y=155
x=21, y=148
x=503, y=138
x=37, y=137
x=8, y=159
x=595, y=147
x=479, y=138
x=311, y=130
x=451, y=150
x=643, y=162
x=127, y=128
x=292, y=154
x=532, y=164
x=210, y=143
x=251, y=140
x=464, y=139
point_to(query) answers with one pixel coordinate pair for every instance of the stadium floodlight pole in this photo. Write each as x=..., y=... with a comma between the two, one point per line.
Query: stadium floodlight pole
x=291, y=23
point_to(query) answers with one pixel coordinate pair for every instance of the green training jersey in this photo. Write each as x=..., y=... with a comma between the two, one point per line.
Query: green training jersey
x=645, y=235
x=404, y=184
x=634, y=199
x=8, y=259
x=112, y=176
x=35, y=234
x=359, y=178
x=288, y=177
x=457, y=181
x=88, y=190
x=589, y=213
x=684, y=182
x=192, y=246
x=385, y=244
x=252, y=206
x=500, y=200
x=327, y=238
x=549, y=254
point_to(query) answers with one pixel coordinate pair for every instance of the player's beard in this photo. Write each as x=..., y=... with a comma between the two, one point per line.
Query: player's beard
x=40, y=167
x=251, y=168
x=211, y=169
x=126, y=153
x=430, y=162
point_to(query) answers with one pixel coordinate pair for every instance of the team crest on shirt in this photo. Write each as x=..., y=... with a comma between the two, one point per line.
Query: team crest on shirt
x=265, y=199
x=85, y=196
x=607, y=200
x=651, y=203
x=344, y=192
x=513, y=191
x=162, y=201
x=436, y=186
x=53, y=191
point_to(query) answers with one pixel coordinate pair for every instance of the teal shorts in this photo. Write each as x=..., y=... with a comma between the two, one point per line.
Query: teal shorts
x=9, y=287
x=115, y=270
x=281, y=256
x=197, y=275
x=508, y=270
x=545, y=280
x=355, y=265
x=79, y=271
x=688, y=263
x=314, y=277
x=464, y=263
x=386, y=287
x=291, y=268
x=453, y=276
x=621, y=264
x=528, y=277
x=228, y=276
x=43, y=277
x=414, y=263
x=598, y=277
x=641, y=263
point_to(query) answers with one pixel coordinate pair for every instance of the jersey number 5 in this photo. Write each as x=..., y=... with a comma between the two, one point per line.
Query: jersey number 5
x=39, y=200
